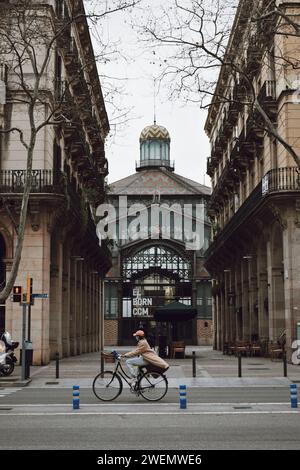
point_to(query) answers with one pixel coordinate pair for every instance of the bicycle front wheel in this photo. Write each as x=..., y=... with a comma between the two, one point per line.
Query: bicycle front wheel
x=107, y=386
x=153, y=386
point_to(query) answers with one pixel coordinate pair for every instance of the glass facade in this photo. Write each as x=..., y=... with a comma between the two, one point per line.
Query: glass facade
x=155, y=150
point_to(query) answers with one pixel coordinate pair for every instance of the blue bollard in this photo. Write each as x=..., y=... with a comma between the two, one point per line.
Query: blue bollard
x=76, y=400
x=294, y=397
x=182, y=396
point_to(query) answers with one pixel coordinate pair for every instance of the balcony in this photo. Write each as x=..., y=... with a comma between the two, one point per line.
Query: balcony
x=43, y=181
x=280, y=180
x=267, y=97
x=12, y=182
x=227, y=181
x=254, y=55
x=210, y=168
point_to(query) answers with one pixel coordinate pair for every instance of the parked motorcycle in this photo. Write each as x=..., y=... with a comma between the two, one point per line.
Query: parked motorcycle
x=7, y=357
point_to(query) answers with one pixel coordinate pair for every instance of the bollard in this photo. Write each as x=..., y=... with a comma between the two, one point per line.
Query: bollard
x=182, y=396
x=194, y=364
x=294, y=397
x=76, y=399
x=102, y=363
x=57, y=365
x=239, y=365
x=284, y=363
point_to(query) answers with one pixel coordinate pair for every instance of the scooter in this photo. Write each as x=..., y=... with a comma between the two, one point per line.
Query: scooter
x=7, y=357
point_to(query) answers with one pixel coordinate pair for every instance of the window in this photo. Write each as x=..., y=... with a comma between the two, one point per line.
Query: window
x=127, y=307
x=111, y=300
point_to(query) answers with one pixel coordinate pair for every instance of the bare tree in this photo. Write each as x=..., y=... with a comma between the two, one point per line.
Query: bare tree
x=193, y=41
x=29, y=33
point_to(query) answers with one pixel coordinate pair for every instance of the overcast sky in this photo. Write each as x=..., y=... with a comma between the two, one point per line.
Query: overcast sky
x=189, y=144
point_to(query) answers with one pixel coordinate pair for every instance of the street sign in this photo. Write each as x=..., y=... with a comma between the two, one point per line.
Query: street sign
x=40, y=296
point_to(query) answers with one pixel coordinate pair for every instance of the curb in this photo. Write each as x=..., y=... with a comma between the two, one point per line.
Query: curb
x=14, y=383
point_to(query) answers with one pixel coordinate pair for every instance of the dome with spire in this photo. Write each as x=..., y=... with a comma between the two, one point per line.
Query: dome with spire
x=155, y=148
x=154, y=132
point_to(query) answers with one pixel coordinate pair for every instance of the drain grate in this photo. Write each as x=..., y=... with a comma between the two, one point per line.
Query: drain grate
x=255, y=364
x=51, y=383
x=258, y=368
x=243, y=407
x=2, y=408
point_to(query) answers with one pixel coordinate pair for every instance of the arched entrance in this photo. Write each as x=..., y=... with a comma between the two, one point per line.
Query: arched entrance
x=153, y=276
x=2, y=280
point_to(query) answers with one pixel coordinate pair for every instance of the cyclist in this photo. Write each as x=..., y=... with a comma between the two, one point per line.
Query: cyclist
x=142, y=356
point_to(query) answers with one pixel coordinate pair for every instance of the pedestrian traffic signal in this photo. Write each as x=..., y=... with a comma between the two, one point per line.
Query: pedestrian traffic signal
x=17, y=293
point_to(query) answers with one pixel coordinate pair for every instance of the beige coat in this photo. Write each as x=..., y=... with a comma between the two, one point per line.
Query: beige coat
x=143, y=349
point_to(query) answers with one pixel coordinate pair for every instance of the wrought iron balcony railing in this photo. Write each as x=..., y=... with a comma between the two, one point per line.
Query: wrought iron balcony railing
x=43, y=181
x=275, y=181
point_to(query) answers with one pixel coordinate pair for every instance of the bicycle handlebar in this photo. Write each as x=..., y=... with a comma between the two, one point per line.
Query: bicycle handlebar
x=116, y=355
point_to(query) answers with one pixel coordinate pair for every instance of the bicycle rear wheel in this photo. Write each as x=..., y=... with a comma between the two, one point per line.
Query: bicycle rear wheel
x=107, y=386
x=153, y=386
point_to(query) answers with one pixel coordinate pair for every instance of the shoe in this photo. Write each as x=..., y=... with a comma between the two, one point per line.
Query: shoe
x=132, y=382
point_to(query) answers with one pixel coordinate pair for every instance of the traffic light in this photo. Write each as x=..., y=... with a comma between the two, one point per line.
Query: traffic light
x=17, y=293
x=29, y=290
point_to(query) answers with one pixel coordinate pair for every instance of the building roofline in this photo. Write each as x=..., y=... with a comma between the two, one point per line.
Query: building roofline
x=220, y=82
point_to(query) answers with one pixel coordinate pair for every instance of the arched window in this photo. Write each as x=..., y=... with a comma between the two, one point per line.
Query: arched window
x=157, y=259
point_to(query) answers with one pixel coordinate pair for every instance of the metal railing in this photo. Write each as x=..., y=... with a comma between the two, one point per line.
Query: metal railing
x=281, y=179
x=43, y=181
x=155, y=162
x=277, y=180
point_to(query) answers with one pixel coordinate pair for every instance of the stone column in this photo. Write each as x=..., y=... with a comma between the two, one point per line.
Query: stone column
x=9, y=324
x=90, y=321
x=226, y=306
x=245, y=300
x=66, y=302
x=85, y=308
x=56, y=270
x=291, y=256
x=73, y=306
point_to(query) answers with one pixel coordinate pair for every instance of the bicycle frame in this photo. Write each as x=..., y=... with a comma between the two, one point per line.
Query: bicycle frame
x=121, y=372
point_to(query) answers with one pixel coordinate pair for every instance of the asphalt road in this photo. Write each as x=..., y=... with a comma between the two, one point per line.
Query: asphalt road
x=106, y=432
x=54, y=395
x=217, y=418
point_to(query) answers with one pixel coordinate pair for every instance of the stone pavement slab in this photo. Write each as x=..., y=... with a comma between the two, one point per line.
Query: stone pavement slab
x=213, y=369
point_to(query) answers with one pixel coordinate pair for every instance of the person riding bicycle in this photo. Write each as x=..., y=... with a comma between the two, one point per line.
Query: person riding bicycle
x=143, y=355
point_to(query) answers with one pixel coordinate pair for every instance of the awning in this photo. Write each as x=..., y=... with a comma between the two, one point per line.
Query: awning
x=175, y=311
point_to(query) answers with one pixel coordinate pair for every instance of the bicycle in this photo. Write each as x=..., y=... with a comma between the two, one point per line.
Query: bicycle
x=151, y=383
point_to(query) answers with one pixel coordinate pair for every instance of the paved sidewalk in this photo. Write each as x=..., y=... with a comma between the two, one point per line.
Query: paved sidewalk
x=213, y=369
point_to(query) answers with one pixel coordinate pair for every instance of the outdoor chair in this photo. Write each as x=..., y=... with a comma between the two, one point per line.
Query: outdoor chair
x=275, y=351
x=242, y=347
x=177, y=347
x=255, y=349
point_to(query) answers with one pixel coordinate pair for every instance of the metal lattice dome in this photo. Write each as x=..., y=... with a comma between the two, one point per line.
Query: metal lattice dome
x=154, y=132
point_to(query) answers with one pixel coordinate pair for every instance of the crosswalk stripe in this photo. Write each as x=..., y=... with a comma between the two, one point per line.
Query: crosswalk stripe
x=8, y=391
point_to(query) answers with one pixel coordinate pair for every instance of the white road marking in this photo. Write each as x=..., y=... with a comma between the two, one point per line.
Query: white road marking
x=122, y=413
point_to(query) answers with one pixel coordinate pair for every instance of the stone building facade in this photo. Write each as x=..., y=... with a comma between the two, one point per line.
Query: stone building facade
x=61, y=250
x=254, y=255
x=152, y=270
